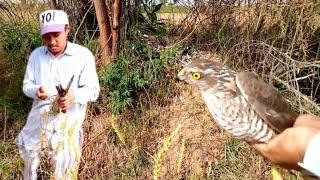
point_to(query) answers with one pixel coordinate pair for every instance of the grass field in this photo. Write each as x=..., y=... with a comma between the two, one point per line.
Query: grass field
x=177, y=139
x=173, y=9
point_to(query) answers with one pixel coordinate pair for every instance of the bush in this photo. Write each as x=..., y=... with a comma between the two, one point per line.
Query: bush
x=137, y=69
x=17, y=41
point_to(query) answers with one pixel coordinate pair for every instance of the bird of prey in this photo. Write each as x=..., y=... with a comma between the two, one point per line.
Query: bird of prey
x=241, y=103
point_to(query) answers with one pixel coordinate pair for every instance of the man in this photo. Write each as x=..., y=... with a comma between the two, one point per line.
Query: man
x=297, y=147
x=51, y=68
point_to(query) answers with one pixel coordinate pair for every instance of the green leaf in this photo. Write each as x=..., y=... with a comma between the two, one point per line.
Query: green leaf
x=157, y=8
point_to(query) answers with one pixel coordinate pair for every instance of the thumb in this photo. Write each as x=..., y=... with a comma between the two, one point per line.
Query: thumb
x=261, y=148
x=41, y=89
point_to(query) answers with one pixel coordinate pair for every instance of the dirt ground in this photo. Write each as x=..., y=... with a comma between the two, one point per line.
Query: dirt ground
x=186, y=144
x=193, y=150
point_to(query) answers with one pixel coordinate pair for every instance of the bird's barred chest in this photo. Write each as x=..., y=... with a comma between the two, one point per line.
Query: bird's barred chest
x=237, y=117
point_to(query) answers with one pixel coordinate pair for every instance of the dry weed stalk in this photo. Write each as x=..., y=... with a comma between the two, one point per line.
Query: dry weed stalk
x=19, y=12
x=117, y=130
x=162, y=152
x=182, y=154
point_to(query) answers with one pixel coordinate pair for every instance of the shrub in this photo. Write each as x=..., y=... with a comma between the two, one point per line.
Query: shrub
x=17, y=41
x=137, y=69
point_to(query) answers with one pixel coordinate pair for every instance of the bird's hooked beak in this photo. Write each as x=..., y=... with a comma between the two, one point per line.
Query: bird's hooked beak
x=181, y=75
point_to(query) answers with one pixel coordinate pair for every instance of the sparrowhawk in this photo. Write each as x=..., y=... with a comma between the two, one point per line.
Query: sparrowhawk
x=241, y=103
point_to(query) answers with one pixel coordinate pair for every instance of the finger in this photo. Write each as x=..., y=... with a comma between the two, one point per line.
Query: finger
x=70, y=95
x=62, y=104
x=64, y=98
x=41, y=89
x=42, y=96
x=39, y=94
x=68, y=104
x=67, y=100
x=65, y=104
x=61, y=99
x=260, y=147
x=307, y=120
x=66, y=107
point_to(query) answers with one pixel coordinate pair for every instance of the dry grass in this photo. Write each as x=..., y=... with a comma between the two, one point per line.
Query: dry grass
x=10, y=163
x=285, y=72
x=179, y=141
x=17, y=13
x=172, y=18
x=280, y=41
x=203, y=140
x=180, y=136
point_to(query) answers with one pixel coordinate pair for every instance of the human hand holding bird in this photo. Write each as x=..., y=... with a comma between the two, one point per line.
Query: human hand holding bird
x=289, y=147
x=252, y=110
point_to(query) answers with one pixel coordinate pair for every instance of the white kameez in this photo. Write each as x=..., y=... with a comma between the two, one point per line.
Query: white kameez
x=311, y=160
x=59, y=135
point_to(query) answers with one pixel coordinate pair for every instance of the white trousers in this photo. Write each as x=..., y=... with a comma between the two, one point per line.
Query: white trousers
x=63, y=151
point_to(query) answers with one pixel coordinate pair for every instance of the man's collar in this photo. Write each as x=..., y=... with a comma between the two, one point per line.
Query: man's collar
x=69, y=50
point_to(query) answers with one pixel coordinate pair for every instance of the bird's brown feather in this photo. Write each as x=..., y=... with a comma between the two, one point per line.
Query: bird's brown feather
x=266, y=101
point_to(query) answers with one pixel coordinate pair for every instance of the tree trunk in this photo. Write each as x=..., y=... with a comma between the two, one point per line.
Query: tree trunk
x=105, y=29
x=117, y=7
x=54, y=4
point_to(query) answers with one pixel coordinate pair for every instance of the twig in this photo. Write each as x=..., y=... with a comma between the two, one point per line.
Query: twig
x=82, y=21
x=194, y=29
x=150, y=104
x=304, y=77
x=297, y=93
x=95, y=138
x=5, y=124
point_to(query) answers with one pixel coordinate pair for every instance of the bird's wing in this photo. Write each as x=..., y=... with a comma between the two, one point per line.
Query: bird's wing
x=266, y=101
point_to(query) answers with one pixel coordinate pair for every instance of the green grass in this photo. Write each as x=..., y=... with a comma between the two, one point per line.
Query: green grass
x=173, y=9
x=141, y=78
x=237, y=161
x=240, y=161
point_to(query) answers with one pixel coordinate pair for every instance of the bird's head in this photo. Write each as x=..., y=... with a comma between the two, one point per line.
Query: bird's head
x=206, y=75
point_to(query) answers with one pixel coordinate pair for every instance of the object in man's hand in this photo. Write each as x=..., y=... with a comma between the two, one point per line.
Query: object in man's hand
x=63, y=92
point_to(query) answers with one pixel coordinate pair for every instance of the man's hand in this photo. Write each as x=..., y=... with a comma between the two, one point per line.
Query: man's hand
x=66, y=101
x=289, y=147
x=42, y=93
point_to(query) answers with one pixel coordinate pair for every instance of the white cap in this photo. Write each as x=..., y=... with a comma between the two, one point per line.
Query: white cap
x=53, y=21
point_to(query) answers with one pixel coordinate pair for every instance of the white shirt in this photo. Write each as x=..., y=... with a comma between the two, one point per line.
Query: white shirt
x=44, y=69
x=311, y=160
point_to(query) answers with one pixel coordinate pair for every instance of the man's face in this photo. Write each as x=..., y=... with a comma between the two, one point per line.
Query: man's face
x=56, y=41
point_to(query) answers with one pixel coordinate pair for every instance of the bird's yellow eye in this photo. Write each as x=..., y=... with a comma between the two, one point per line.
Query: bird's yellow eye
x=196, y=76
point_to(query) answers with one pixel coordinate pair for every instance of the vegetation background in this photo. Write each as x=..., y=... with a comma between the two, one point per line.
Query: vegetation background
x=145, y=125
